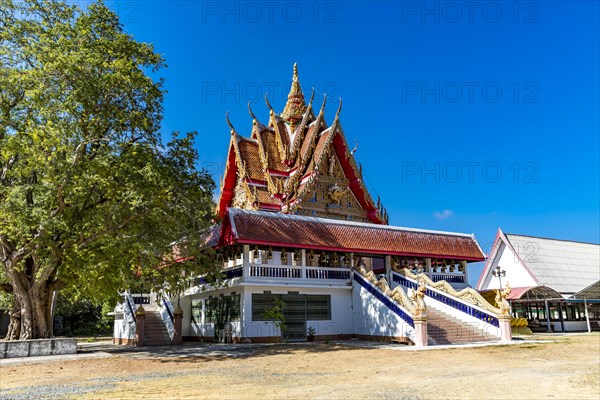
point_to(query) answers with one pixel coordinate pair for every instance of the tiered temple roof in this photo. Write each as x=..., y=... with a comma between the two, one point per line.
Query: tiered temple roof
x=297, y=164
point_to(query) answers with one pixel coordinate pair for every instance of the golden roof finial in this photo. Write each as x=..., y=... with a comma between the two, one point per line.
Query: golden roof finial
x=254, y=119
x=339, y=110
x=229, y=122
x=295, y=106
x=322, y=110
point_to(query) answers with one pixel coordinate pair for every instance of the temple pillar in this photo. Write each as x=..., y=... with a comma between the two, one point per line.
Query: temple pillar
x=427, y=270
x=177, y=317
x=421, y=337
x=505, y=328
x=465, y=271
x=140, y=319
x=246, y=261
x=388, y=269
x=303, y=263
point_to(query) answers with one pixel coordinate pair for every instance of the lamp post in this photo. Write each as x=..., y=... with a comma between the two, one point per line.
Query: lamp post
x=499, y=273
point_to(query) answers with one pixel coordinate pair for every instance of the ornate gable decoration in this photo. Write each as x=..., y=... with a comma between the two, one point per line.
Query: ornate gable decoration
x=297, y=164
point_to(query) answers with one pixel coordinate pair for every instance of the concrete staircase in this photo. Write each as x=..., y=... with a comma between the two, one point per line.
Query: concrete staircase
x=155, y=333
x=442, y=328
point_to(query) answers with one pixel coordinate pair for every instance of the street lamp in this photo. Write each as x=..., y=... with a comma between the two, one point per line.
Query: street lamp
x=499, y=273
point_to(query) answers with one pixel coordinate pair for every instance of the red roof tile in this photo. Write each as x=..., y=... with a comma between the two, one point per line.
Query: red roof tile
x=254, y=227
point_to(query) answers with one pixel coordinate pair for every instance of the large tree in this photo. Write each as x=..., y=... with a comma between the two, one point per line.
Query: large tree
x=88, y=191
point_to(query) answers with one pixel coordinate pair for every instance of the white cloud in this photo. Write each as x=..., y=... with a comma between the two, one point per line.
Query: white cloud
x=442, y=215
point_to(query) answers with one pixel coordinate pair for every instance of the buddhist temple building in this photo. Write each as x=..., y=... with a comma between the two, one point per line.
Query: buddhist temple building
x=555, y=283
x=300, y=234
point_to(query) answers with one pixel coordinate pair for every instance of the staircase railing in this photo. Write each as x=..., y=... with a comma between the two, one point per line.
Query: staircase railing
x=468, y=301
x=130, y=307
x=166, y=314
x=400, y=305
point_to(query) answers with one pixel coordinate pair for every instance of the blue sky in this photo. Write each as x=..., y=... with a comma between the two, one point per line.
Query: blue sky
x=469, y=116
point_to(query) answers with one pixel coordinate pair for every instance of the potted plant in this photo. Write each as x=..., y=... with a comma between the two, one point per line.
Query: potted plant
x=311, y=334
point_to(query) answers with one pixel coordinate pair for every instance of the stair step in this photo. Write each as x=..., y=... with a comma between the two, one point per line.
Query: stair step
x=443, y=328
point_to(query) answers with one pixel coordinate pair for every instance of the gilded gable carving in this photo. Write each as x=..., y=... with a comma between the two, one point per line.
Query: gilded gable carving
x=297, y=169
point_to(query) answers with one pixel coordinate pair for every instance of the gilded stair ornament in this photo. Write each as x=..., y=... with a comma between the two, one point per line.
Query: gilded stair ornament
x=468, y=295
x=417, y=298
x=501, y=300
x=398, y=294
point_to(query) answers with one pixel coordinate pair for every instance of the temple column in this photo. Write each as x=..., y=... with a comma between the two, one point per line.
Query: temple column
x=246, y=261
x=427, y=270
x=303, y=263
x=388, y=269
x=465, y=271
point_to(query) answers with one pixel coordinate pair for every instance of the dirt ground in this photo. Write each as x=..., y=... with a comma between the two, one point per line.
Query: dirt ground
x=567, y=367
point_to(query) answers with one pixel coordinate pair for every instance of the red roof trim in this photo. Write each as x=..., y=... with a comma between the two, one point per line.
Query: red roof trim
x=227, y=192
x=346, y=250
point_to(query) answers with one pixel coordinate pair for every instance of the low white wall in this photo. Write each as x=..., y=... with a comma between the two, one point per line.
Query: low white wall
x=38, y=347
x=373, y=318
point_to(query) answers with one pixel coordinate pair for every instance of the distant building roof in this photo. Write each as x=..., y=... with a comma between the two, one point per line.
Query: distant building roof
x=529, y=261
x=590, y=292
x=566, y=266
x=293, y=231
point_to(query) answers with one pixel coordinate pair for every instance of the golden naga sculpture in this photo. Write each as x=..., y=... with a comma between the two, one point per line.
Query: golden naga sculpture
x=336, y=193
x=501, y=300
x=468, y=295
x=398, y=294
x=417, y=298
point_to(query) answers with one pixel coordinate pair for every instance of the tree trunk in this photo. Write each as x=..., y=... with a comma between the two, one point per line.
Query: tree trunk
x=34, y=300
x=14, y=327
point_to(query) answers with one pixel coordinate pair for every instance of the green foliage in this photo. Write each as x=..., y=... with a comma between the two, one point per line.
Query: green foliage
x=90, y=197
x=83, y=317
x=275, y=314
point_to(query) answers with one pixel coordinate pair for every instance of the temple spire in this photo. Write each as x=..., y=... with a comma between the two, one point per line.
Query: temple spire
x=295, y=106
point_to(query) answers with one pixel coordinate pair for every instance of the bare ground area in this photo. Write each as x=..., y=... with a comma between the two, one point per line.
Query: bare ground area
x=564, y=367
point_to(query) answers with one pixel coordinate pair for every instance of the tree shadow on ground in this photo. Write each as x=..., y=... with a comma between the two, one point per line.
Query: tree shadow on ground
x=208, y=352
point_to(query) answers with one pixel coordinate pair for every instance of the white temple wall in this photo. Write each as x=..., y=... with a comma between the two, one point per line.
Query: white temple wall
x=373, y=318
x=341, y=322
x=200, y=327
x=341, y=312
